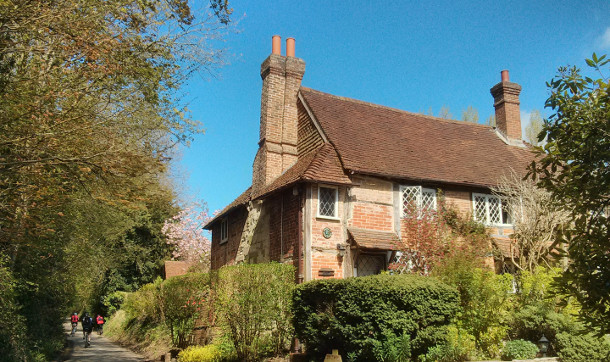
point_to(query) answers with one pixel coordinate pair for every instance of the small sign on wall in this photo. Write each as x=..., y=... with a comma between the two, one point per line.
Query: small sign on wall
x=326, y=272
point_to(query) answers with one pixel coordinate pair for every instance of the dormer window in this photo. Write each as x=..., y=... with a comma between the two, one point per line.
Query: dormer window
x=328, y=200
x=417, y=198
x=489, y=210
x=224, y=230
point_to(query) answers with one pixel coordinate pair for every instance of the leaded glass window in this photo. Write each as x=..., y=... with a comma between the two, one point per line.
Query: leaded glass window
x=370, y=264
x=327, y=201
x=489, y=210
x=417, y=198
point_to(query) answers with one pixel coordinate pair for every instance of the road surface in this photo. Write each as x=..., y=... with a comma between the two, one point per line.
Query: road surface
x=101, y=349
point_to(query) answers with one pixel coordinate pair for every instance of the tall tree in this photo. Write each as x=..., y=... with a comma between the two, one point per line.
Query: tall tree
x=575, y=168
x=533, y=129
x=445, y=113
x=89, y=109
x=471, y=115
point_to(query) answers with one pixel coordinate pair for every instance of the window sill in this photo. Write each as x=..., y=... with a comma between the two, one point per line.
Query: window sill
x=331, y=218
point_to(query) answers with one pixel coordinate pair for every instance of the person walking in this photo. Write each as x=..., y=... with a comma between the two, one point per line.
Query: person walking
x=87, y=324
x=74, y=321
x=100, y=324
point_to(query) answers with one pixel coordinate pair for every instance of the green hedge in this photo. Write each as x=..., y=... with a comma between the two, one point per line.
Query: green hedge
x=382, y=317
x=519, y=349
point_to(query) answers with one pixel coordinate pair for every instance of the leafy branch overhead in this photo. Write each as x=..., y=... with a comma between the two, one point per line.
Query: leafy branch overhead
x=574, y=166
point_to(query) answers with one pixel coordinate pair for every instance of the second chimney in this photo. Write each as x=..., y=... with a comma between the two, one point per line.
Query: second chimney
x=506, y=103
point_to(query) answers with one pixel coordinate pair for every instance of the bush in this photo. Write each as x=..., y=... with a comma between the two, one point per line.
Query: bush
x=374, y=317
x=459, y=346
x=485, y=302
x=182, y=299
x=112, y=302
x=254, y=307
x=519, y=349
x=582, y=348
x=209, y=353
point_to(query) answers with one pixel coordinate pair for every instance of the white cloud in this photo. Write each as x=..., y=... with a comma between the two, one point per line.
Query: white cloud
x=604, y=41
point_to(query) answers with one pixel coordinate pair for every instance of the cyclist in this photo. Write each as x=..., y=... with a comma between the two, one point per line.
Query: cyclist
x=74, y=321
x=100, y=324
x=87, y=323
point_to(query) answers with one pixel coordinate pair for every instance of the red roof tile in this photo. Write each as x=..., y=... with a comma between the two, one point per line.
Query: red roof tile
x=377, y=140
x=373, y=239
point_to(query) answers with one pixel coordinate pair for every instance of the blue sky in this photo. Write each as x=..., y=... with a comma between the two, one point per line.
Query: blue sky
x=411, y=55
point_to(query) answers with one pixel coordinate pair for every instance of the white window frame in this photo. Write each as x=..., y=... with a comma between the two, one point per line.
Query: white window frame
x=224, y=230
x=487, y=220
x=336, y=211
x=420, y=192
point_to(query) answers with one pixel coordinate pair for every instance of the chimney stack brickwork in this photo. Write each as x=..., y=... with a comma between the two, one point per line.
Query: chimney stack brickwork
x=279, y=117
x=506, y=103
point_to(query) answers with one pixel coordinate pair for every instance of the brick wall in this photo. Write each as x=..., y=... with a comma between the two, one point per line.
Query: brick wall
x=224, y=254
x=283, y=225
x=324, y=253
x=371, y=204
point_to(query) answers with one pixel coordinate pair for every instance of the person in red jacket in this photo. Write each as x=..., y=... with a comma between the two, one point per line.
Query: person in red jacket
x=74, y=321
x=100, y=324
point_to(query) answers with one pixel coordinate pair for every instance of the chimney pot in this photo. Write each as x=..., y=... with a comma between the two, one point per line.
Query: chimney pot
x=290, y=47
x=276, y=45
x=504, y=75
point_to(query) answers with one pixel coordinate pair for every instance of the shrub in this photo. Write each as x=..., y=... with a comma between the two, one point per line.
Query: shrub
x=112, y=302
x=372, y=318
x=519, y=349
x=459, y=346
x=485, y=302
x=182, y=300
x=254, y=307
x=209, y=353
x=582, y=348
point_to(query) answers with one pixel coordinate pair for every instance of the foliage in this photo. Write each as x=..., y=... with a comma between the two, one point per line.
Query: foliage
x=430, y=237
x=12, y=331
x=371, y=318
x=112, y=302
x=460, y=346
x=533, y=129
x=253, y=305
x=208, y=353
x=536, y=217
x=485, y=302
x=574, y=168
x=471, y=115
x=185, y=232
x=182, y=300
x=89, y=115
x=582, y=348
x=445, y=113
x=519, y=349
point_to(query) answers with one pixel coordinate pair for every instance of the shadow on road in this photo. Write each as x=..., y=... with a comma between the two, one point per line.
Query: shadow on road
x=101, y=349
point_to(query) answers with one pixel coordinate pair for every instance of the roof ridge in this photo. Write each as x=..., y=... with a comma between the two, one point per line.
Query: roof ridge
x=397, y=110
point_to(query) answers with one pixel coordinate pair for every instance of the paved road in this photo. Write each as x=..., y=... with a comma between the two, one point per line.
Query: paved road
x=101, y=349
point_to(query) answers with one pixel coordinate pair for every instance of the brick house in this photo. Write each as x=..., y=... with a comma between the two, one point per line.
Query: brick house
x=332, y=175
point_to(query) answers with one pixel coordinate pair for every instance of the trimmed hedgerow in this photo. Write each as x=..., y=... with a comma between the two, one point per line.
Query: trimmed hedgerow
x=380, y=317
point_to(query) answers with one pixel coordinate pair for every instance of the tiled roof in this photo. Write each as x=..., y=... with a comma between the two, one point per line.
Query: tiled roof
x=242, y=199
x=373, y=239
x=382, y=141
x=320, y=165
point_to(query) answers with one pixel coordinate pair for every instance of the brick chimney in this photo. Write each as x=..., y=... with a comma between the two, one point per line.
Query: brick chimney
x=278, y=124
x=506, y=103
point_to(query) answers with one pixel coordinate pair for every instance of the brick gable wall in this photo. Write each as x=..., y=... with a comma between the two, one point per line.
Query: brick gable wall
x=224, y=254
